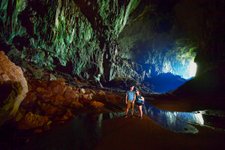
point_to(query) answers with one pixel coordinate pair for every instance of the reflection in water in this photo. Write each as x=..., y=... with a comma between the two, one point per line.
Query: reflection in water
x=84, y=131
x=175, y=121
x=180, y=122
x=183, y=122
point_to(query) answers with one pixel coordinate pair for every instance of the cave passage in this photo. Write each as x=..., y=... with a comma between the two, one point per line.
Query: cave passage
x=65, y=62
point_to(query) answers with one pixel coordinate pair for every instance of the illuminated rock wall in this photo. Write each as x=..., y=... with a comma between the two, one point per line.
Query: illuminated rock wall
x=154, y=40
x=106, y=40
x=13, y=87
x=76, y=37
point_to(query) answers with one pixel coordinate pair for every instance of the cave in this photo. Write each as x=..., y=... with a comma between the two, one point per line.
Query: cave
x=67, y=67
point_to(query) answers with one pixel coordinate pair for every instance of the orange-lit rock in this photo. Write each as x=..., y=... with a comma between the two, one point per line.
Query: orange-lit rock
x=76, y=104
x=70, y=93
x=58, y=89
x=97, y=104
x=58, y=100
x=49, y=109
x=88, y=96
x=83, y=91
x=115, y=99
x=58, y=86
x=11, y=78
x=33, y=121
x=41, y=90
x=102, y=93
x=31, y=97
x=67, y=115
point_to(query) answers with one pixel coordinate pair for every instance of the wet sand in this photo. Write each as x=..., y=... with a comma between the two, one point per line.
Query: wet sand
x=136, y=134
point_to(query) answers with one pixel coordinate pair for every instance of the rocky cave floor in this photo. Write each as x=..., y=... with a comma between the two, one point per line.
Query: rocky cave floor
x=52, y=103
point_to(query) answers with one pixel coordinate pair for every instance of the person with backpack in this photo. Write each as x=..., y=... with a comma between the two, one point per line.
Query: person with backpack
x=139, y=102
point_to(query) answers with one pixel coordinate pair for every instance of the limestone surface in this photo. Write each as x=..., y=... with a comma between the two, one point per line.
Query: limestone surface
x=13, y=88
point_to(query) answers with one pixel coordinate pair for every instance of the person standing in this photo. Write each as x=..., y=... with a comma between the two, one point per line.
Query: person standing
x=130, y=100
x=139, y=102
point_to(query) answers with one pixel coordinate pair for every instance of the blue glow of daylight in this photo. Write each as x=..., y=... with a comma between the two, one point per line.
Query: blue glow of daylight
x=181, y=122
x=187, y=70
x=192, y=69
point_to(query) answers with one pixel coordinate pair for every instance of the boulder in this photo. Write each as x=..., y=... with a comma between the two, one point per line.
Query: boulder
x=57, y=87
x=76, y=104
x=102, y=93
x=70, y=93
x=13, y=86
x=49, y=109
x=82, y=91
x=32, y=120
x=96, y=104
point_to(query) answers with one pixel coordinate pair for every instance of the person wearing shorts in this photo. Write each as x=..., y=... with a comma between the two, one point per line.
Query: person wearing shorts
x=130, y=100
x=139, y=102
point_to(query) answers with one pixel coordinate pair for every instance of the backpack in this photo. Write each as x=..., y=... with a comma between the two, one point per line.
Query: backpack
x=138, y=100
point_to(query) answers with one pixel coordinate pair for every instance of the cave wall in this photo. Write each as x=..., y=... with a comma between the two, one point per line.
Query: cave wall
x=76, y=37
x=106, y=40
x=204, y=23
x=165, y=36
x=155, y=40
x=13, y=88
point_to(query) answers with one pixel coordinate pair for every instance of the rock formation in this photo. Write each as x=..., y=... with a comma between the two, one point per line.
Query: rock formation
x=112, y=40
x=52, y=102
x=13, y=87
x=75, y=37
